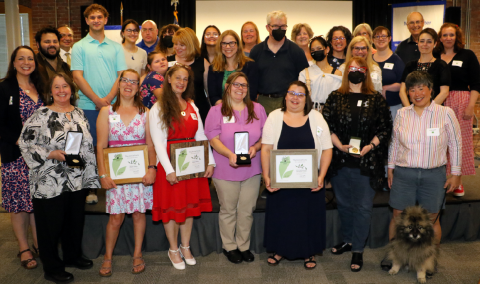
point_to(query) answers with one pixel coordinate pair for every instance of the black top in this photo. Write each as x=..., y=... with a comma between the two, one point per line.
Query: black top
x=375, y=121
x=438, y=70
x=408, y=50
x=392, y=75
x=200, y=100
x=278, y=70
x=335, y=62
x=296, y=137
x=215, y=81
x=467, y=74
x=10, y=119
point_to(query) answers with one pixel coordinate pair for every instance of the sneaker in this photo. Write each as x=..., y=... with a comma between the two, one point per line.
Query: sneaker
x=459, y=192
x=91, y=198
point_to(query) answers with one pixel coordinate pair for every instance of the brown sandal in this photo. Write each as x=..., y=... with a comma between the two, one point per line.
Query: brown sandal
x=24, y=263
x=106, y=271
x=138, y=265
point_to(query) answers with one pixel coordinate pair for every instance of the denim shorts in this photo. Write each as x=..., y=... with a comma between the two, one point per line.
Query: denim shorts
x=423, y=186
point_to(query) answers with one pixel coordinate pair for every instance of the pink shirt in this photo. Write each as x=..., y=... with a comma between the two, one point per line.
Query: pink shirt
x=412, y=147
x=215, y=125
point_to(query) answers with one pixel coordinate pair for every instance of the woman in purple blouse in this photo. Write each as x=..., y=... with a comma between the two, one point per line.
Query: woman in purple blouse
x=237, y=185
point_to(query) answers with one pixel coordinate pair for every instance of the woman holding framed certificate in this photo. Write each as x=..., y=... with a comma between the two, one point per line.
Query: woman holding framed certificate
x=360, y=125
x=125, y=123
x=295, y=219
x=175, y=119
x=234, y=127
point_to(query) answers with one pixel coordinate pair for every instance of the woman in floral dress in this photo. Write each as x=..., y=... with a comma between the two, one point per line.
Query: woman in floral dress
x=151, y=84
x=20, y=95
x=131, y=128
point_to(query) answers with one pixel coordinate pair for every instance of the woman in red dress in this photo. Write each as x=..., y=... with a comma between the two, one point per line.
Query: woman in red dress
x=175, y=119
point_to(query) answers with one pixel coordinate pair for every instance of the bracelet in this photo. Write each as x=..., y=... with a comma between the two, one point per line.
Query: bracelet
x=103, y=176
x=373, y=145
x=152, y=167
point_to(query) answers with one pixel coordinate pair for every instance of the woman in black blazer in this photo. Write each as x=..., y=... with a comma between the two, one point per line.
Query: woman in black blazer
x=228, y=59
x=20, y=95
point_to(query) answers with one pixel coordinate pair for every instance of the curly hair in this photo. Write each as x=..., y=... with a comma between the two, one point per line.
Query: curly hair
x=346, y=32
x=169, y=106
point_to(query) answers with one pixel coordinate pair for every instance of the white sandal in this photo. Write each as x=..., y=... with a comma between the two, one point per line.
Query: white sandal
x=180, y=265
x=189, y=261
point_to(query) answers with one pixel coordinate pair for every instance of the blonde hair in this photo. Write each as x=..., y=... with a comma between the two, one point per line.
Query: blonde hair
x=358, y=28
x=367, y=85
x=219, y=61
x=298, y=27
x=189, y=39
x=369, y=58
x=275, y=15
x=256, y=30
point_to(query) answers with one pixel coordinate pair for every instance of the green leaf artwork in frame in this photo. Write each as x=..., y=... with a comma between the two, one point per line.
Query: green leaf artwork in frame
x=283, y=167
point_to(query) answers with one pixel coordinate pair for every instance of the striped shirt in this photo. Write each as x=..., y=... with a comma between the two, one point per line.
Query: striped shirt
x=422, y=141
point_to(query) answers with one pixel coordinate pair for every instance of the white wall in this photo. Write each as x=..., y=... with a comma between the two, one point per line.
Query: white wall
x=320, y=15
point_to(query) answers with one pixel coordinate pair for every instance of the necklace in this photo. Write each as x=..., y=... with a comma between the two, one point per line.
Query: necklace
x=62, y=109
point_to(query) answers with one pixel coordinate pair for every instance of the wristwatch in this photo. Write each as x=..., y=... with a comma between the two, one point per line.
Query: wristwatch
x=152, y=167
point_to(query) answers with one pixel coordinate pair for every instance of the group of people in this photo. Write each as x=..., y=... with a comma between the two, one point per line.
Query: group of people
x=304, y=93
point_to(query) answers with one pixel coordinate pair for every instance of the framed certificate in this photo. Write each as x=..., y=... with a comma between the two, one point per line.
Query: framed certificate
x=189, y=159
x=294, y=168
x=127, y=164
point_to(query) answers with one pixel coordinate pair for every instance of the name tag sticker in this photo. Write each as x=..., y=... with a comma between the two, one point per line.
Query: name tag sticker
x=114, y=118
x=226, y=120
x=194, y=116
x=359, y=103
x=10, y=102
x=433, y=131
x=388, y=66
x=374, y=76
x=171, y=63
x=457, y=63
x=319, y=131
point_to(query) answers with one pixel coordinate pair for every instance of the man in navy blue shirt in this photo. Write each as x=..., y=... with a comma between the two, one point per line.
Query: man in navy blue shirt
x=279, y=62
x=408, y=49
x=149, y=36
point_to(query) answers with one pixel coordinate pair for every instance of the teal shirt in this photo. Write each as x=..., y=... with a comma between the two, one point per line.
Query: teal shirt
x=100, y=63
x=225, y=77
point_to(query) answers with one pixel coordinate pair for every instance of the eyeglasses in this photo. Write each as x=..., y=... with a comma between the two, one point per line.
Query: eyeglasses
x=360, y=48
x=338, y=38
x=292, y=93
x=239, y=85
x=379, y=37
x=415, y=23
x=231, y=44
x=211, y=35
x=135, y=31
x=126, y=80
x=183, y=65
x=361, y=69
x=276, y=27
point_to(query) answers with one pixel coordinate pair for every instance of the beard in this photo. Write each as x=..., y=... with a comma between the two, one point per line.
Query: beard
x=48, y=55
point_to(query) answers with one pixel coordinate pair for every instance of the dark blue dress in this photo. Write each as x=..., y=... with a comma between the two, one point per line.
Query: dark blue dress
x=295, y=219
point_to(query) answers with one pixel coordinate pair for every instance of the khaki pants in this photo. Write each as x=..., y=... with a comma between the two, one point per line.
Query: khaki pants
x=238, y=200
x=270, y=104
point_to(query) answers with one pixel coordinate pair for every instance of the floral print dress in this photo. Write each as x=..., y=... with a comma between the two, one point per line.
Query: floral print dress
x=128, y=198
x=152, y=81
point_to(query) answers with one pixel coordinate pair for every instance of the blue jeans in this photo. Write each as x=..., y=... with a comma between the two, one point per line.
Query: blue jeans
x=355, y=203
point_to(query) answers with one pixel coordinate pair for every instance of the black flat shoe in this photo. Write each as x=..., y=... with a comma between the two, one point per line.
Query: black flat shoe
x=247, y=256
x=310, y=260
x=234, y=256
x=81, y=263
x=62, y=277
x=277, y=261
x=341, y=248
x=357, y=259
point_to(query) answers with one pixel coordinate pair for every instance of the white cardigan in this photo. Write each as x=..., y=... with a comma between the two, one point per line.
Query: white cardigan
x=320, y=131
x=159, y=136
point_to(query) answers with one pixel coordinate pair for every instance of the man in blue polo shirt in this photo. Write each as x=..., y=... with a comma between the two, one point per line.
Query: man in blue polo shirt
x=96, y=64
x=149, y=36
x=279, y=61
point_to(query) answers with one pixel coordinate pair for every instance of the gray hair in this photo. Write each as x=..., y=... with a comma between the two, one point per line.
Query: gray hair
x=358, y=28
x=414, y=12
x=419, y=78
x=275, y=15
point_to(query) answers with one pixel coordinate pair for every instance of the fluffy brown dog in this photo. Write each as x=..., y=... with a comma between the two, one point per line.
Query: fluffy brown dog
x=414, y=243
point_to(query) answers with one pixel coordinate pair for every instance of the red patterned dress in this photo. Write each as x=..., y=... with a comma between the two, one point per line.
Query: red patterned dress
x=188, y=198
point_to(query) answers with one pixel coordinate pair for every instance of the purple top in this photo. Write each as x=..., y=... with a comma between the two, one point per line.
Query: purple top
x=214, y=125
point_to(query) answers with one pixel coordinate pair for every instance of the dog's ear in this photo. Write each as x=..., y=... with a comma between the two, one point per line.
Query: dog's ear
x=425, y=211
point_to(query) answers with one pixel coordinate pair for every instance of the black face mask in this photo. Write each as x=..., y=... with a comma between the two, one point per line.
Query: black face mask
x=167, y=41
x=356, y=77
x=278, y=34
x=318, y=55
